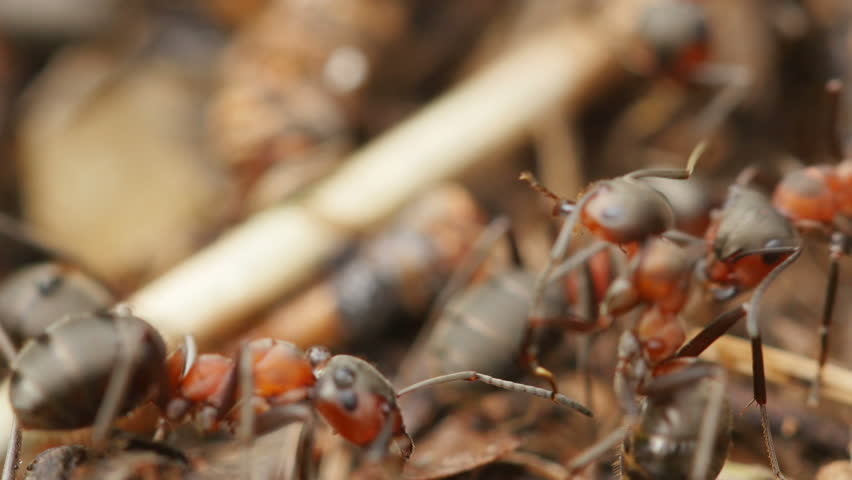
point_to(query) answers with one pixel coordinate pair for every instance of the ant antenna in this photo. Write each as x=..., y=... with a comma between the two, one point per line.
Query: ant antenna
x=709, y=426
x=472, y=376
x=759, y=377
x=245, y=430
x=529, y=178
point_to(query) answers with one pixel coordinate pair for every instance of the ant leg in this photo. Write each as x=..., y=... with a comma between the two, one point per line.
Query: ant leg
x=529, y=348
x=127, y=349
x=709, y=426
x=711, y=333
x=13, y=451
x=837, y=242
x=529, y=344
x=834, y=88
x=474, y=259
x=758, y=373
x=600, y=448
x=735, y=81
x=682, y=238
x=675, y=173
x=303, y=467
x=576, y=260
x=378, y=448
x=589, y=307
x=245, y=430
x=472, y=376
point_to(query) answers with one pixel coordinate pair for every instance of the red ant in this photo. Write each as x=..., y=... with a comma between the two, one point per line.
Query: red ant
x=819, y=199
x=372, y=287
x=114, y=362
x=626, y=212
x=678, y=421
x=477, y=326
x=749, y=244
x=675, y=39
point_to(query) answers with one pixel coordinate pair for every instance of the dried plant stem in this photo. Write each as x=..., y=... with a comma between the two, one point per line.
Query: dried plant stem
x=782, y=367
x=275, y=251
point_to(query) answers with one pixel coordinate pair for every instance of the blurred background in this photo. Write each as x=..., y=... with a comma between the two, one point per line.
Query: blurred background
x=148, y=139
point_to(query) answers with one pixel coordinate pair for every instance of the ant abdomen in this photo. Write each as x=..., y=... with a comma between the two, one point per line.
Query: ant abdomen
x=34, y=297
x=663, y=443
x=482, y=329
x=60, y=377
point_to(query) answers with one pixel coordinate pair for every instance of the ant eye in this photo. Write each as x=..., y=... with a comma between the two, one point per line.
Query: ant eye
x=344, y=377
x=349, y=400
x=48, y=285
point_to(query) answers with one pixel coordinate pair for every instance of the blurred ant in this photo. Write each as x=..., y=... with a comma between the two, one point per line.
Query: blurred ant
x=676, y=47
x=629, y=213
x=398, y=272
x=113, y=362
x=818, y=199
x=677, y=423
x=35, y=296
x=477, y=326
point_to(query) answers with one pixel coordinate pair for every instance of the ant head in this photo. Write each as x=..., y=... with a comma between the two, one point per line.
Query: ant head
x=356, y=400
x=623, y=211
x=748, y=239
x=807, y=194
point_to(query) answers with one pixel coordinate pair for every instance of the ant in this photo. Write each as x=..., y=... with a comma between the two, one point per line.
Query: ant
x=271, y=384
x=817, y=199
x=622, y=211
x=35, y=296
x=748, y=244
x=477, y=326
x=677, y=423
x=373, y=286
x=674, y=50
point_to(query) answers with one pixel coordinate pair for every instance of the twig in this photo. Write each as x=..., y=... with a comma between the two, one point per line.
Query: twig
x=277, y=250
x=782, y=367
